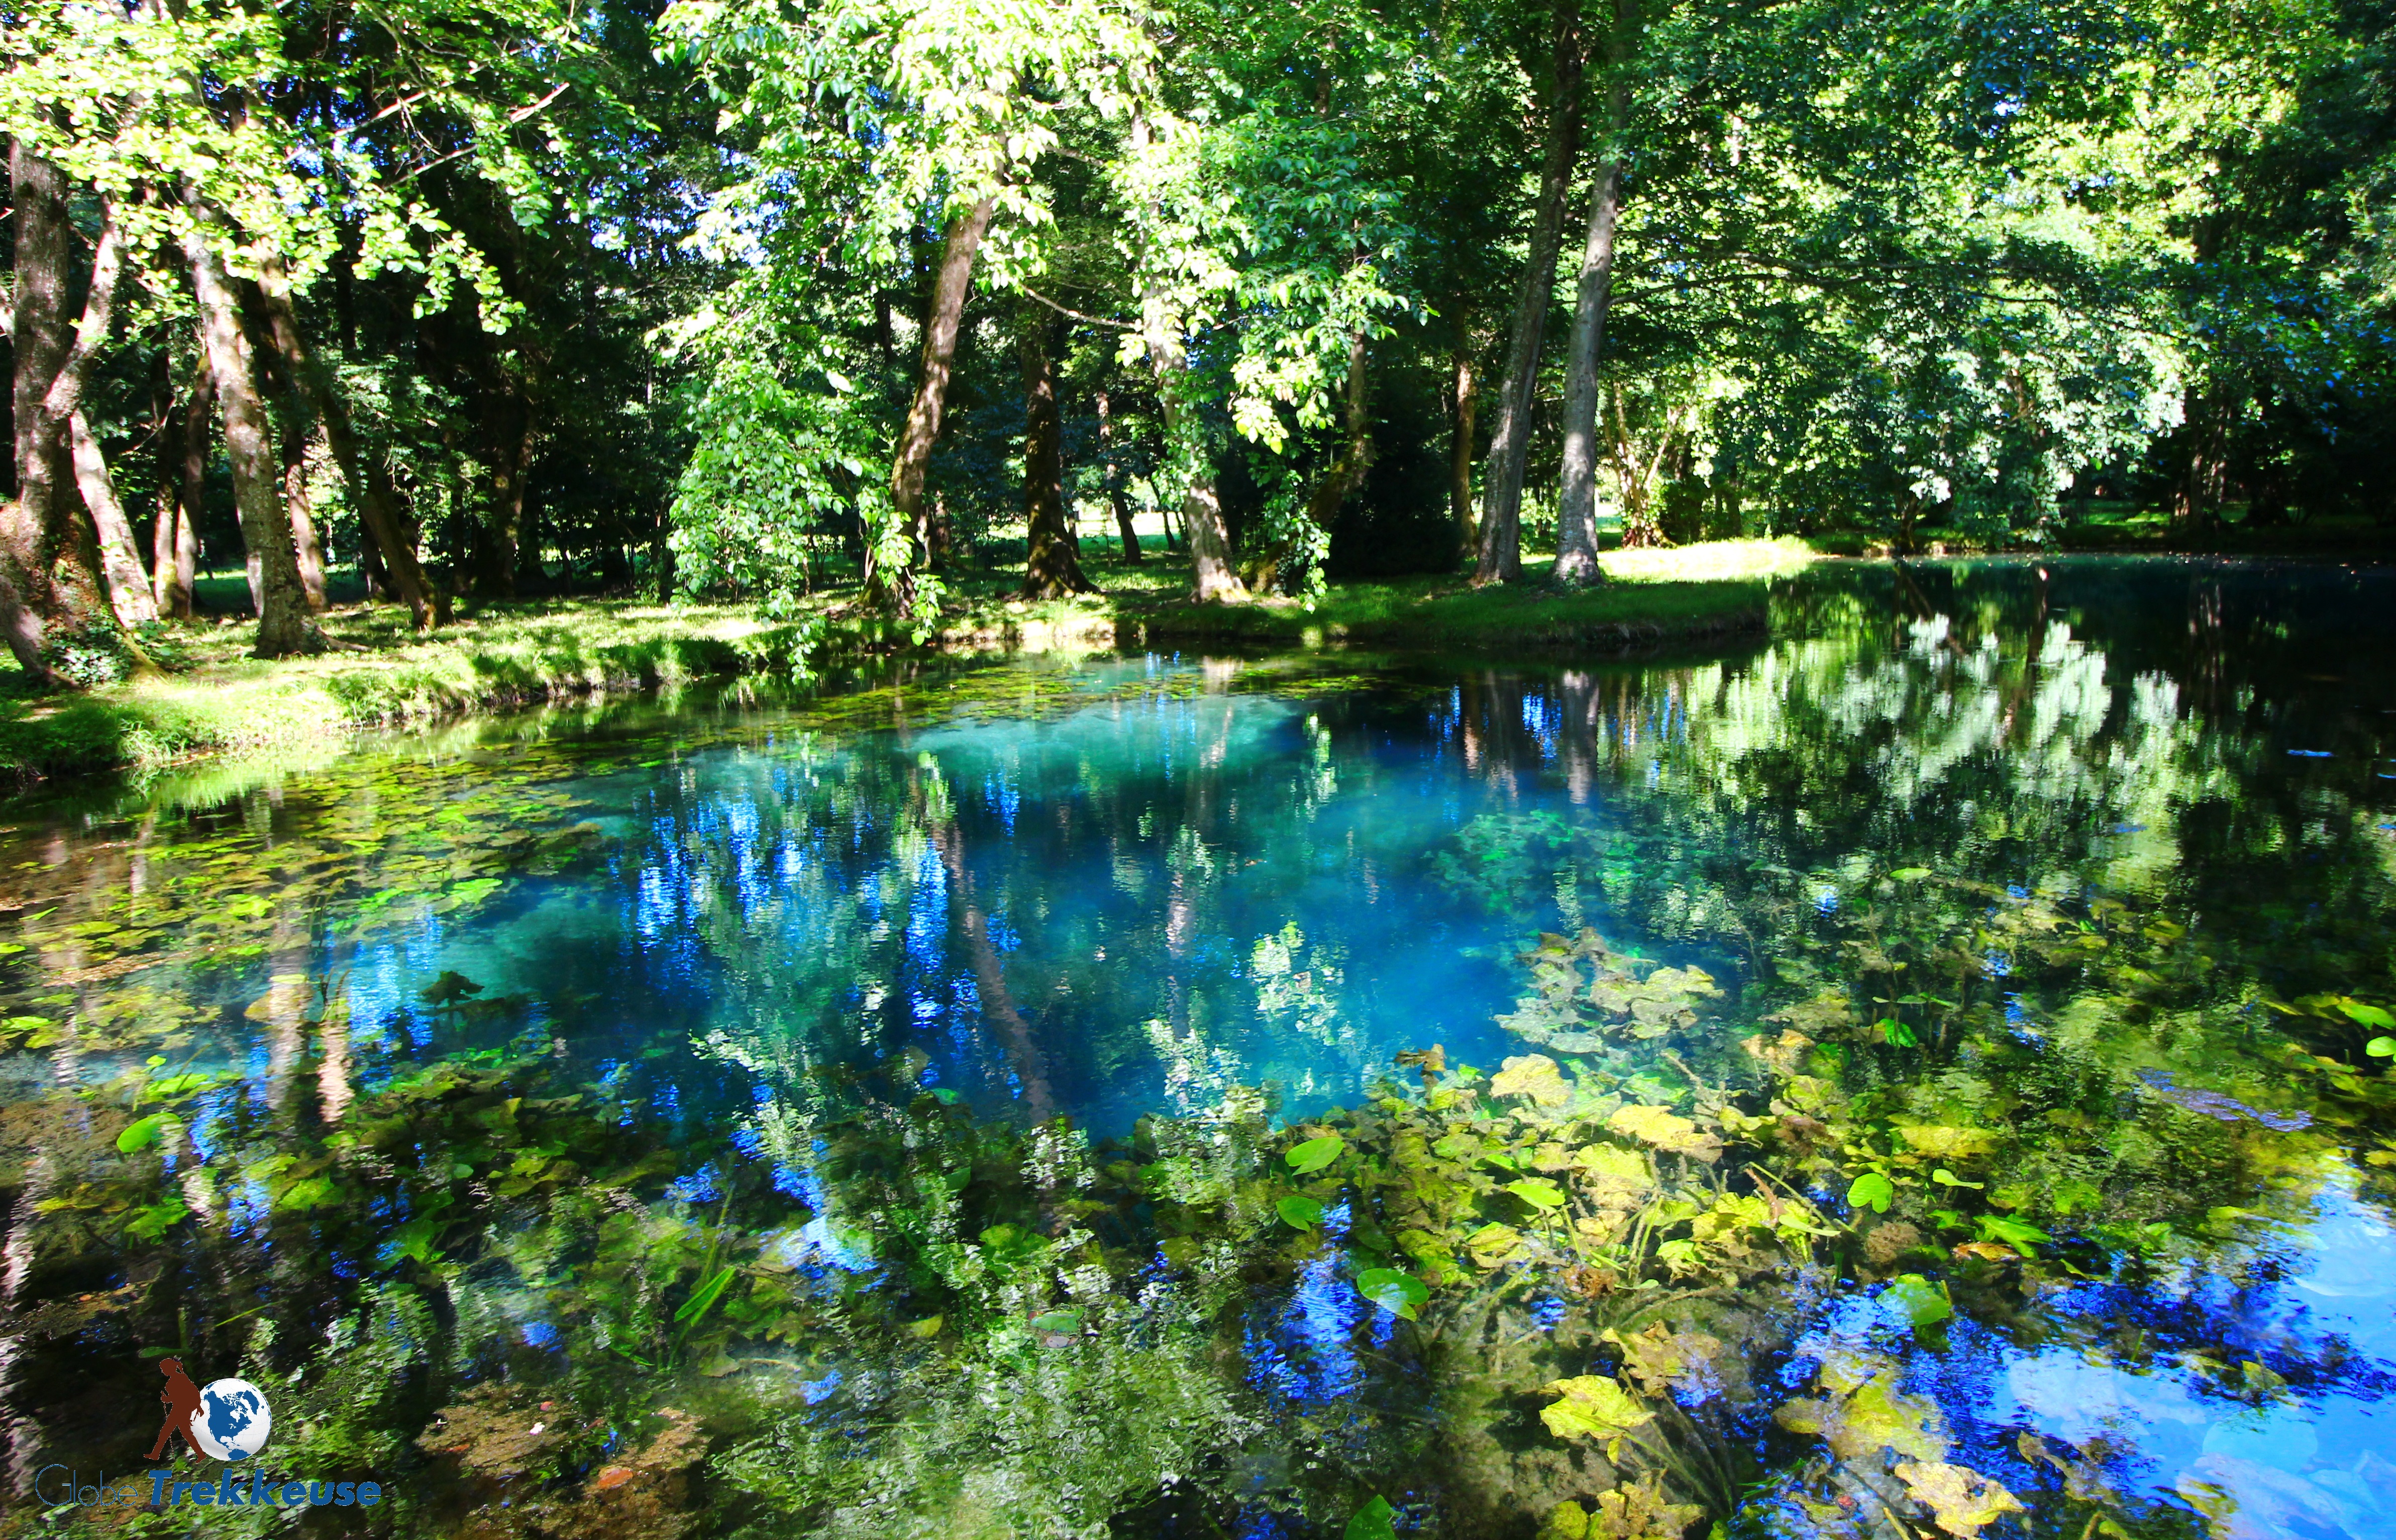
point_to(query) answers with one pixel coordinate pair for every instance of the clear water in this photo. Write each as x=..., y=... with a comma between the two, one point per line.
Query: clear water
x=1112, y=888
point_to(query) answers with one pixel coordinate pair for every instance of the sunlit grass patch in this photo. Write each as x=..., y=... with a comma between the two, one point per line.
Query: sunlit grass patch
x=379, y=672
x=1711, y=561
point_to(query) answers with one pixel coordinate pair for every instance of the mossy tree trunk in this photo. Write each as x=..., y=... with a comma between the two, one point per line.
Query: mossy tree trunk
x=50, y=570
x=307, y=545
x=120, y=559
x=285, y=626
x=182, y=467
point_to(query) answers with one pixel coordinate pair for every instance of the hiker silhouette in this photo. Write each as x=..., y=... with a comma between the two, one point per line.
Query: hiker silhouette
x=181, y=1400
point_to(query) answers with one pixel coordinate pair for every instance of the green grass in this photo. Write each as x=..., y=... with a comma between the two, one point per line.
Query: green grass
x=2118, y=527
x=1691, y=592
x=378, y=672
x=221, y=700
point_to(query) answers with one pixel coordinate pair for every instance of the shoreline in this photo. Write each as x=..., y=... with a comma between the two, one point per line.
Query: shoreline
x=514, y=657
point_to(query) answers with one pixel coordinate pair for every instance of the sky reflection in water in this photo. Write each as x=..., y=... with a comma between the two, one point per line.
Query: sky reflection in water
x=1191, y=880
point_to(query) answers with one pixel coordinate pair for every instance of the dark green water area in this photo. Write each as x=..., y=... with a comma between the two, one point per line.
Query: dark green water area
x=1924, y=1074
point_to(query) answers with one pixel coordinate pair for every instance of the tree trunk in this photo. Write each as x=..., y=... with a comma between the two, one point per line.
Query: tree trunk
x=1347, y=472
x=48, y=575
x=940, y=531
x=1509, y=445
x=888, y=560
x=1576, y=504
x=128, y=586
x=2204, y=481
x=1459, y=457
x=373, y=574
x=1185, y=448
x=511, y=462
x=38, y=345
x=1117, y=498
x=1201, y=511
x=199, y=422
x=183, y=443
x=662, y=560
x=1640, y=530
x=1052, y=568
x=285, y=626
x=360, y=473
x=306, y=545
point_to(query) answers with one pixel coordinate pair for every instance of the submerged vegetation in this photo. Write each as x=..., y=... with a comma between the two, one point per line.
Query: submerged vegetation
x=869, y=1206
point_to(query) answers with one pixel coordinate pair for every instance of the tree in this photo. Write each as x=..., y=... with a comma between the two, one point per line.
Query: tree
x=1500, y=556
x=51, y=578
x=1054, y=567
x=870, y=118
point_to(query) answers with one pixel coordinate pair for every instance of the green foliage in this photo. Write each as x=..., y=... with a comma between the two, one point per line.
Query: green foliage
x=1400, y=1293
x=1312, y=1155
x=1373, y=1521
x=773, y=474
x=1299, y=1212
x=1871, y=1191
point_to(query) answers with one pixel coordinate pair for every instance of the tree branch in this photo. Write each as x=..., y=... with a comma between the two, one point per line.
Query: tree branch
x=513, y=118
x=1031, y=293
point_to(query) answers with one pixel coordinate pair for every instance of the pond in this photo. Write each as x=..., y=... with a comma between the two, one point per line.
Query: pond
x=1927, y=1072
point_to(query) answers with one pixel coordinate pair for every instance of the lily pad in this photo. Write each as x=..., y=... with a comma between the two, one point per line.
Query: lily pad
x=1375, y=1521
x=1315, y=1153
x=1665, y=1130
x=1593, y=1406
x=1533, y=1075
x=1871, y=1191
x=1299, y=1212
x=1401, y=1294
x=1917, y=1301
x=144, y=1132
x=1961, y=1499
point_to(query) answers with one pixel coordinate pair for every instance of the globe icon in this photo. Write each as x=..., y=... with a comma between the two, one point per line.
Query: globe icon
x=232, y=1421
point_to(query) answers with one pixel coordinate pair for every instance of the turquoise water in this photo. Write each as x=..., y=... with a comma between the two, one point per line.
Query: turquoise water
x=710, y=944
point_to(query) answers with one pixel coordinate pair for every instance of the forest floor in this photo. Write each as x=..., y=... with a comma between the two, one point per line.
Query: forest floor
x=211, y=698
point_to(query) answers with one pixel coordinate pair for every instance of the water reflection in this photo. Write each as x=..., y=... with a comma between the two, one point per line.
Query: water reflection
x=2080, y=858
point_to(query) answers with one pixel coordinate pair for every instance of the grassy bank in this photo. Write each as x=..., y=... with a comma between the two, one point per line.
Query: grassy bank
x=215, y=699
x=1687, y=593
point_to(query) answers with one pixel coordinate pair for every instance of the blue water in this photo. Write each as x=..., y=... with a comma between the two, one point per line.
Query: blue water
x=1104, y=914
x=1109, y=888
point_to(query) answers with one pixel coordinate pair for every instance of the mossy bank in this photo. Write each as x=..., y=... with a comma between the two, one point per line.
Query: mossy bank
x=211, y=698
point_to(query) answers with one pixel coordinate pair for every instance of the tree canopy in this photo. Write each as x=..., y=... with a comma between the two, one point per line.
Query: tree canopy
x=754, y=297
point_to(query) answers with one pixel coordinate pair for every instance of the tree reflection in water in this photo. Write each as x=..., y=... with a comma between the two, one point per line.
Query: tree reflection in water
x=1924, y=1071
